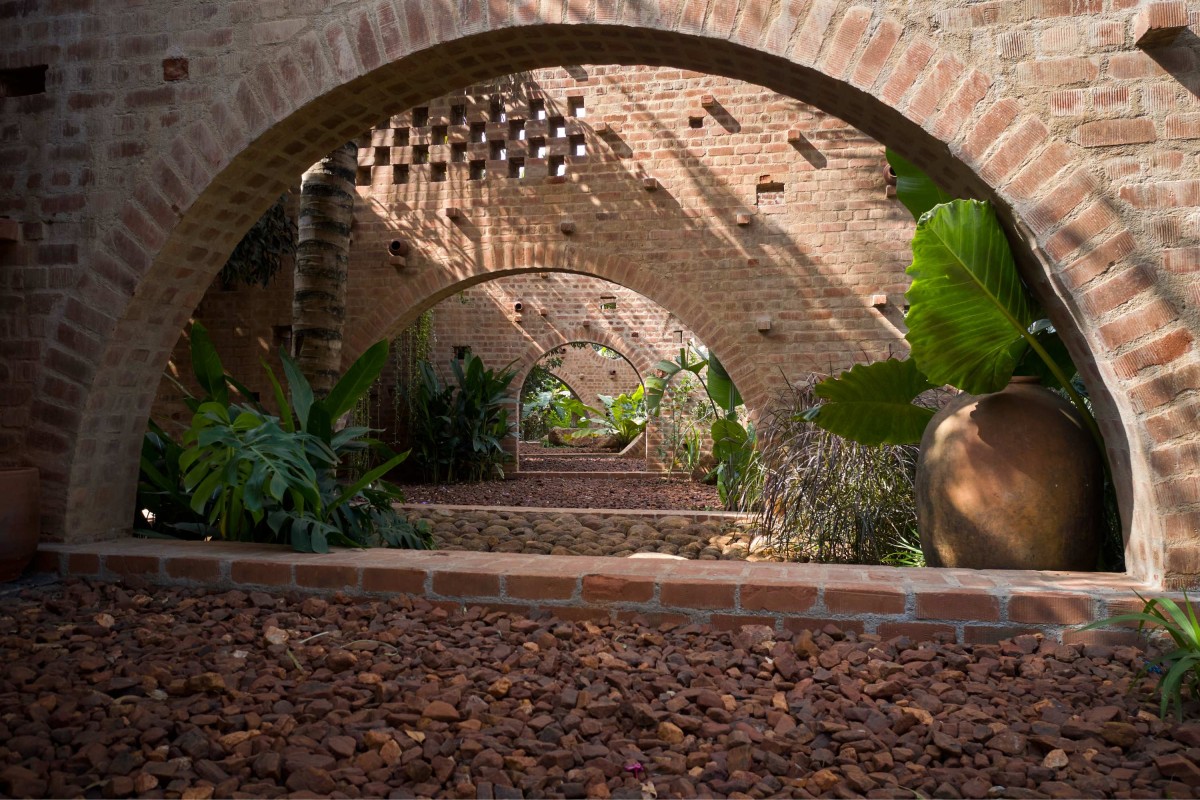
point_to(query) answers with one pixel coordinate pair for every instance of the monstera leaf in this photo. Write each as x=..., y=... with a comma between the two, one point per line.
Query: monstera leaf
x=969, y=316
x=913, y=187
x=872, y=403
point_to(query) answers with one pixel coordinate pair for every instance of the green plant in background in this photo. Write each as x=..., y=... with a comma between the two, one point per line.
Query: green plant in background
x=686, y=419
x=830, y=499
x=1178, y=668
x=624, y=416
x=262, y=250
x=249, y=476
x=738, y=473
x=458, y=429
x=545, y=410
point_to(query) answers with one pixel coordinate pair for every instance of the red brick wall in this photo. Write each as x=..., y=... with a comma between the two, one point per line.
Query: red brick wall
x=165, y=131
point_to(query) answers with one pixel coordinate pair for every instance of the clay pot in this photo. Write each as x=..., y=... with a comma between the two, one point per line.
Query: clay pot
x=19, y=522
x=1010, y=480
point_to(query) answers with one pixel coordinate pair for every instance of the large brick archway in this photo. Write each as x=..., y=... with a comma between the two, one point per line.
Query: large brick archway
x=160, y=193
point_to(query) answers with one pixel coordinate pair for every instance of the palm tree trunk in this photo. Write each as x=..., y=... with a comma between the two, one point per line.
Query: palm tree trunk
x=322, y=257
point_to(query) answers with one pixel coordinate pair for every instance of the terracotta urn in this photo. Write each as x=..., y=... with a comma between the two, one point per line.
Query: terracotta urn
x=1010, y=480
x=19, y=523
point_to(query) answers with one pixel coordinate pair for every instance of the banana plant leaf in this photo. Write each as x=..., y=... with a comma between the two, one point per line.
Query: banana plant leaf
x=969, y=312
x=210, y=374
x=357, y=380
x=914, y=188
x=720, y=386
x=872, y=403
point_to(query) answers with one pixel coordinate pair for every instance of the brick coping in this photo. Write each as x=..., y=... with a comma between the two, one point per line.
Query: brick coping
x=973, y=606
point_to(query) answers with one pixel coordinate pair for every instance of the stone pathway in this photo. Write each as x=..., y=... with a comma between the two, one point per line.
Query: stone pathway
x=571, y=534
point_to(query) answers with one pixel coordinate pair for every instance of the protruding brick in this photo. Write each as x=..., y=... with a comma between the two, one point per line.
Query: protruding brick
x=1158, y=24
x=263, y=573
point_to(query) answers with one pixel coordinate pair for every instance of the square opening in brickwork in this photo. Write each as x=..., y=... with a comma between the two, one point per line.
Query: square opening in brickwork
x=383, y=156
x=516, y=130
x=23, y=81
x=400, y=173
x=557, y=166
x=769, y=194
x=421, y=154
x=420, y=117
x=478, y=132
x=497, y=151
x=558, y=127
x=478, y=170
x=516, y=168
x=440, y=134
x=458, y=153
x=537, y=109
x=362, y=177
x=437, y=172
x=498, y=114
x=695, y=122
x=575, y=107
x=578, y=145
x=537, y=148
x=458, y=114
x=461, y=351
x=608, y=302
x=400, y=137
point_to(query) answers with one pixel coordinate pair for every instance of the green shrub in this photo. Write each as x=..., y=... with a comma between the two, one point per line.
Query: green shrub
x=458, y=429
x=1178, y=668
x=242, y=474
x=624, y=416
x=829, y=499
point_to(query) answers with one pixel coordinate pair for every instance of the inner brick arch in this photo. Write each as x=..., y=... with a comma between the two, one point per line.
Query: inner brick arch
x=882, y=73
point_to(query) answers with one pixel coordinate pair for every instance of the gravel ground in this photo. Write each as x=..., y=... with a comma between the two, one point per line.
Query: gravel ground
x=651, y=492
x=587, y=535
x=113, y=692
x=582, y=464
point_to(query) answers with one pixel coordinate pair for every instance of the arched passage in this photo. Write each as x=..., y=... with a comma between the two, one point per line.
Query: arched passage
x=246, y=128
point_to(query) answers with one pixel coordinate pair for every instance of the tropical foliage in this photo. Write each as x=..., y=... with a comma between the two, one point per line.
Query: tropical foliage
x=1179, y=668
x=458, y=427
x=623, y=417
x=737, y=471
x=242, y=474
x=972, y=324
x=263, y=249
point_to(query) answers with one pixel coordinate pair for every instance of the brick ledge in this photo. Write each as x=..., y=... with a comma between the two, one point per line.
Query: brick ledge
x=972, y=605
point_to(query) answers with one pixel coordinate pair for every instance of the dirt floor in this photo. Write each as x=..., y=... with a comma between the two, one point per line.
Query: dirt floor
x=572, y=491
x=116, y=692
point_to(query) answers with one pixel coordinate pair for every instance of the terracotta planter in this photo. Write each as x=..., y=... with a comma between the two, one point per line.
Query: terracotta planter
x=1010, y=480
x=19, y=524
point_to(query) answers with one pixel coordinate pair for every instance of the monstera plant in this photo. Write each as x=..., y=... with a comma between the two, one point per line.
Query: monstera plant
x=972, y=324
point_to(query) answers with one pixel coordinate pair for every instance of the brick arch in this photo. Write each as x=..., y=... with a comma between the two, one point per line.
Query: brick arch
x=239, y=139
x=640, y=360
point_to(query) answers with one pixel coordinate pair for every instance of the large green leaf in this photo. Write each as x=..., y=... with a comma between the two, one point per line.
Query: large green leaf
x=914, y=188
x=872, y=403
x=358, y=379
x=969, y=311
x=720, y=386
x=207, y=365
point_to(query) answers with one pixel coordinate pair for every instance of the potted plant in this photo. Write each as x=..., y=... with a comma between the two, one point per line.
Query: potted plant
x=1008, y=476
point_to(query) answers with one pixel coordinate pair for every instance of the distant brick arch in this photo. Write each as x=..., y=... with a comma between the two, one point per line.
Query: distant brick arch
x=218, y=149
